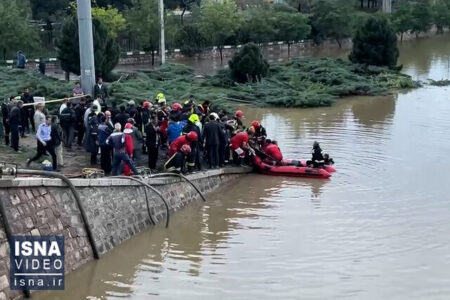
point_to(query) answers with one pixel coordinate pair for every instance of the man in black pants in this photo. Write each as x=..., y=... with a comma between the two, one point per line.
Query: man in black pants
x=152, y=141
x=45, y=143
x=5, y=116
x=14, y=124
x=212, y=135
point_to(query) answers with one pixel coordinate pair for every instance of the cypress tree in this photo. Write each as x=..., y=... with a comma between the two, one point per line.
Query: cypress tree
x=375, y=43
x=248, y=64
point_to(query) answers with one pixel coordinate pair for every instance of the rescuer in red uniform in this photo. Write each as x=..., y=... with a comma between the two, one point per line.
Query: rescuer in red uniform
x=182, y=140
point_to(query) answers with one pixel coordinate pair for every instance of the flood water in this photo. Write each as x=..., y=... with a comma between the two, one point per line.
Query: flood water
x=378, y=229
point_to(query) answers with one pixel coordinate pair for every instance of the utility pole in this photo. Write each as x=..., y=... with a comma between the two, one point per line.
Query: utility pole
x=387, y=6
x=162, y=45
x=87, y=64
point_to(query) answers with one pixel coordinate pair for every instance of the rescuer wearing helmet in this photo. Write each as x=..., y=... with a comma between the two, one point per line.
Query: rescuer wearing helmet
x=129, y=147
x=177, y=162
x=194, y=159
x=163, y=118
x=317, y=159
x=237, y=122
x=260, y=131
x=188, y=139
x=239, y=146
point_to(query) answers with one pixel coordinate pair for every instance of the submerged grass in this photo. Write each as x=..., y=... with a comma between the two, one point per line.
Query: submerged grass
x=301, y=82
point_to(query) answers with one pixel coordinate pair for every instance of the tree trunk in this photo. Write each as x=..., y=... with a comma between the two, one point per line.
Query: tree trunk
x=182, y=16
x=153, y=57
x=289, y=49
x=220, y=51
x=67, y=76
x=401, y=37
x=4, y=54
x=339, y=43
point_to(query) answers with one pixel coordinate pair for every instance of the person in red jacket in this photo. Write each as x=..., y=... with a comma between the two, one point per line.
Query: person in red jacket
x=239, y=144
x=176, y=145
x=273, y=152
x=129, y=148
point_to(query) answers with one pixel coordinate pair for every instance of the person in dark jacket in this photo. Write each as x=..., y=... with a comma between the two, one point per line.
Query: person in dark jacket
x=5, y=121
x=21, y=60
x=100, y=90
x=92, y=140
x=14, y=123
x=212, y=134
x=79, y=124
x=194, y=157
x=27, y=112
x=317, y=159
x=152, y=142
x=42, y=66
x=122, y=117
x=104, y=131
x=56, y=136
x=114, y=110
x=68, y=119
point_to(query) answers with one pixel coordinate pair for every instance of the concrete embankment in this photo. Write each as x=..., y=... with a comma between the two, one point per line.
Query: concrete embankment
x=114, y=210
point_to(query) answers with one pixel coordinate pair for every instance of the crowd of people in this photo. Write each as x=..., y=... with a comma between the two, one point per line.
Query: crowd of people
x=187, y=136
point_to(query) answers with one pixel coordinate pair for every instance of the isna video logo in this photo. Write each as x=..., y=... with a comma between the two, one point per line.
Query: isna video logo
x=37, y=263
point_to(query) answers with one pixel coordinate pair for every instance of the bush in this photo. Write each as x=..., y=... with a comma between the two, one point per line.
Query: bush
x=248, y=64
x=375, y=43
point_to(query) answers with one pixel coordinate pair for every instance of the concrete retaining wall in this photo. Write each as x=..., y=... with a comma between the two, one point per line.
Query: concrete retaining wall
x=116, y=209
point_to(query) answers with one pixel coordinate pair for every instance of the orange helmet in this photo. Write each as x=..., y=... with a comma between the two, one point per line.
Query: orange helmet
x=128, y=126
x=192, y=136
x=239, y=114
x=256, y=124
x=186, y=149
x=176, y=106
x=147, y=104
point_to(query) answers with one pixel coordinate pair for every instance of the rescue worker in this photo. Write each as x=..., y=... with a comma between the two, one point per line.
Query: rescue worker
x=117, y=141
x=317, y=159
x=194, y=158
x=163, y=118
x=177, y=162
x=239, y=146
x=260, y=131
x=176, y=145
x=273, y=152
x=237, y=122
x=129, y=147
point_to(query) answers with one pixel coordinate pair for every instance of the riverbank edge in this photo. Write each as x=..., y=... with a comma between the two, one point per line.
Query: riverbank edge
x=115, y=210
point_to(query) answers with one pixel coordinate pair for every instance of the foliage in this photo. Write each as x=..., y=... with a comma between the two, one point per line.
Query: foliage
x=375, y=43
x=219, y=21
x=15, y=80
x=248, y=64
x=16, y=31
x=331, y=19
x=402, y=19
x=111, y=18
x=441, y=14
x=291, y=27
x=106, y=50
x=302, y=82
x=191, y=40
x=43, y=9
x=143, y=23
x=258, y=25
x=422, y=17
x=120, y=4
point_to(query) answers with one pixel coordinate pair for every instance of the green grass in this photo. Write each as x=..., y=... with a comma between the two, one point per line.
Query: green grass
x=301, y=82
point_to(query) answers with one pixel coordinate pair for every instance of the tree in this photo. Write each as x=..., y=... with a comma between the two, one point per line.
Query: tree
x=248, y=64
x=422, y=17
x=441, y=14
x=143, y=23
x=16, y=30
x=331, y=19
x=375, y=43
x=111, y=18
x=291, y=27
x=106, y=49
x=43, y=9
x=258, y=26
x=219, y=21
x=120, y=4
x=402, y=19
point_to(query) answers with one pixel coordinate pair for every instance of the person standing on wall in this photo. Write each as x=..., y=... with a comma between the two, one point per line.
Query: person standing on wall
x=21, y=60
x=100, y=90
x=5, y=121
x=15, y=123
x=117, y=141
x=92, y=140
x=68, y=120
x=152, y=141
x=105, y=129
x=43, y=135
x=27, y=112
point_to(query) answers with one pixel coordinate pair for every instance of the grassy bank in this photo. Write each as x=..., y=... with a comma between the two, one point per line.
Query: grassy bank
x=302, y=82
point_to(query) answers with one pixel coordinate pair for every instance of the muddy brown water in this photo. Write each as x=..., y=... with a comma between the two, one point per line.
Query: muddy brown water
x=378, y=229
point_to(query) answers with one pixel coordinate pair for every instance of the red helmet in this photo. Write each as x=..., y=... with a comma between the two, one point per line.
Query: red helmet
x=239, y=114
x=147, y=104
x=176, y=106
x=128, y=126
x=256, y=124
x=186, y=149
x=192, y=136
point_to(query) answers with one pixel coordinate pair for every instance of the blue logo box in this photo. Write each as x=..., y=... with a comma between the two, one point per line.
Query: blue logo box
x=37, y=262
